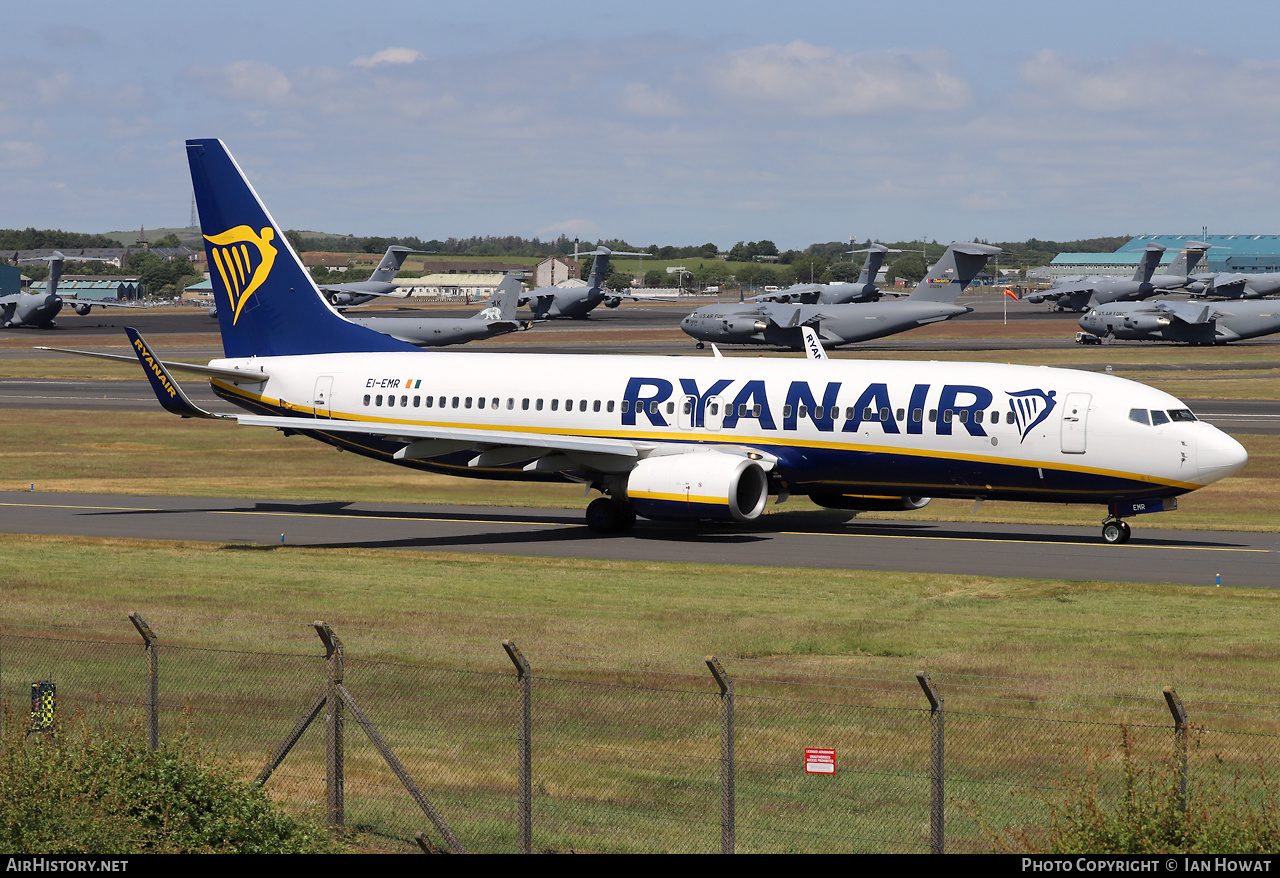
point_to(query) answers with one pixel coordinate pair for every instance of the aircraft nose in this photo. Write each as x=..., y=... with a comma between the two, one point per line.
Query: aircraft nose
x=1218, y=455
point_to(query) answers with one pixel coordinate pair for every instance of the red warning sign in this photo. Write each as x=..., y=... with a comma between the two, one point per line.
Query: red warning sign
x=819, y=761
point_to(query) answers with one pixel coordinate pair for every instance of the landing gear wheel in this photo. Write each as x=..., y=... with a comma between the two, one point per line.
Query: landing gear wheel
x=700, y=346
x=605, y=516
x=1115, y=531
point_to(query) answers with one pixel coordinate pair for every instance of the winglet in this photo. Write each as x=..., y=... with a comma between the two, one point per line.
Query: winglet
x=812, y=347
x=162, y=384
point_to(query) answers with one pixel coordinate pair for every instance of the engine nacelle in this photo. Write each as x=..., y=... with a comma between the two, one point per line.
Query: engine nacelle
x=1146, y=322
x=704, y=485
x=612, y=302
x=341, y=300
x=744, y=325
x=1034, y=299
x=869, y=502
x=83, y=310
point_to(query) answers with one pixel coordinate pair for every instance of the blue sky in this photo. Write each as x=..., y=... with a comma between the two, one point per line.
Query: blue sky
x=657, y=123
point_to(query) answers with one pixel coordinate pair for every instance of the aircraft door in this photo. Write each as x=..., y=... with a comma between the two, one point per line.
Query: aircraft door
x=321, y=400
x=713, y=413
x=685, y=417
x=1075, y=421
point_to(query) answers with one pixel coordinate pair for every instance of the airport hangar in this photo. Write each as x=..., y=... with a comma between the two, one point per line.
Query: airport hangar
x=1244, y=254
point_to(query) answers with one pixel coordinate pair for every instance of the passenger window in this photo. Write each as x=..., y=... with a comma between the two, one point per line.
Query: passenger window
x=417, y=402
x=608, y=406
x=671, y=407
x=715, y=408
x=866, y=413
x=977, y=416
x=366, y=399
x=964, y=416
x=1008, y=417
x=917, y=415
x=884, y=414
x=901, y=413
x=568, y=405
x=849, y=413
x=803, y=412
x=404, y=400
x=378, y=399
x=511, y=403
x=539, y=405
x=524, y=404
x=946, y=416
x=1140, y=416
x=653, y=408
x=755, y=410
x=391, y=400
x=1158, y=418
x=555, y=405
x=687, y=408
x=817, y=412
x=742, y=409
x=626, y=406
x=429, y=401
x=494, y=404
x=455, y=402
x=933, y=415
x=786, y=411
x=468, y=402
x=595, y=406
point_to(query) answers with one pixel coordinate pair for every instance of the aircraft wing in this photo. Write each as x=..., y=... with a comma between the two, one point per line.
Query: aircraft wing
x=1231, y=286
x=793, y=316
x=1189, y=312
x=1059, y=292
x=808, y=295
x=73, y=302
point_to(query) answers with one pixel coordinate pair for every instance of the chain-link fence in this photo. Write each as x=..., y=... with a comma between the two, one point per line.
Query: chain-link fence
x=506, y=747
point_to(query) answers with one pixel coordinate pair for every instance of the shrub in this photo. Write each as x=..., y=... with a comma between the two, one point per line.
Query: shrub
x=86, y=789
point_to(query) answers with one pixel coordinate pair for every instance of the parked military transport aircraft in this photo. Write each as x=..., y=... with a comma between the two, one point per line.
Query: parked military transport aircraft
x=1195, y=322
x=865, y=290
x=675, y=437
x=1080, y=294
x=380, y=283
x=933, y=300
x=36, y=310
x=496, y=318
x=1241, y=286
x=578, y=302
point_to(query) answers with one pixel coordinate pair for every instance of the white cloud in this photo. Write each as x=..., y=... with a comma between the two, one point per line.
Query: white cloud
x=390, y=56
x=817, y=81
x=253, y=82
x=17, y=155
x=643, y=99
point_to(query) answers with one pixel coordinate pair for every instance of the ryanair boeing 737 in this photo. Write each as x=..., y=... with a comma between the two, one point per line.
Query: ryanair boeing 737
x=702, y=438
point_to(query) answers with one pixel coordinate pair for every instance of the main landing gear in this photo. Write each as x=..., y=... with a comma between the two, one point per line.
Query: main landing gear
x=608, y=516
x=1115, y=531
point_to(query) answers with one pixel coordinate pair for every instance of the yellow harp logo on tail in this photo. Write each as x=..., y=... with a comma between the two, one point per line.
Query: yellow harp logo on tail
x=243, y=260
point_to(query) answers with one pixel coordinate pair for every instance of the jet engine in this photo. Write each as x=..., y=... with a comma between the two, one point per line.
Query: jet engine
x=82, y=310
x=745, y=325
x=1146, y=322
x=700, y=485
x=1034, y=299
x=869, y=502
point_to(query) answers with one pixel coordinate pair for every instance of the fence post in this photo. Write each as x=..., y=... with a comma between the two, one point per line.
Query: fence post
x=728, y=807
x=524, y=796
x=1180, y=738
x=937, y=767
x=153, y=680
x=333, y=726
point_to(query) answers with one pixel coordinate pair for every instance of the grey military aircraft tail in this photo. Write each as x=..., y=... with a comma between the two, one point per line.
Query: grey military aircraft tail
x=578, y=302
x=498, y=317
x=781, y=325
x=1194, y=322
x=38, y=310
x=864, y=290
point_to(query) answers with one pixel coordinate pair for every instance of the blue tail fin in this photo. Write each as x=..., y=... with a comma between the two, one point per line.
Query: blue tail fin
x=268, y=305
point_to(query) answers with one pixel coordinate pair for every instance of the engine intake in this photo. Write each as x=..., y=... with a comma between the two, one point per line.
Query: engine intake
x=703, y=485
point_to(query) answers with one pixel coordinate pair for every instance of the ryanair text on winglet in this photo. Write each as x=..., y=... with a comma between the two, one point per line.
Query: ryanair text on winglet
x=155, y=368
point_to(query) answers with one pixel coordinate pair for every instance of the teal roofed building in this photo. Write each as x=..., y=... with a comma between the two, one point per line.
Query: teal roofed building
x=1245, y=254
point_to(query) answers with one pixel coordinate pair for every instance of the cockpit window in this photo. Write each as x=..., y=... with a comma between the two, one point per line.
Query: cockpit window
x=1181, y=415
x=1139, y=415
x=1158, y=418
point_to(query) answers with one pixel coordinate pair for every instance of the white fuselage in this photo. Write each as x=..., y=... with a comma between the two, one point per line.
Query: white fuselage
x=837, y=426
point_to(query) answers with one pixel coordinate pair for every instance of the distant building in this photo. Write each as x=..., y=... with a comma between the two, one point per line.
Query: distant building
x=331, y=261
x=10, y=280
x=451, y=287
x=554, y=270
x=1245, y=254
